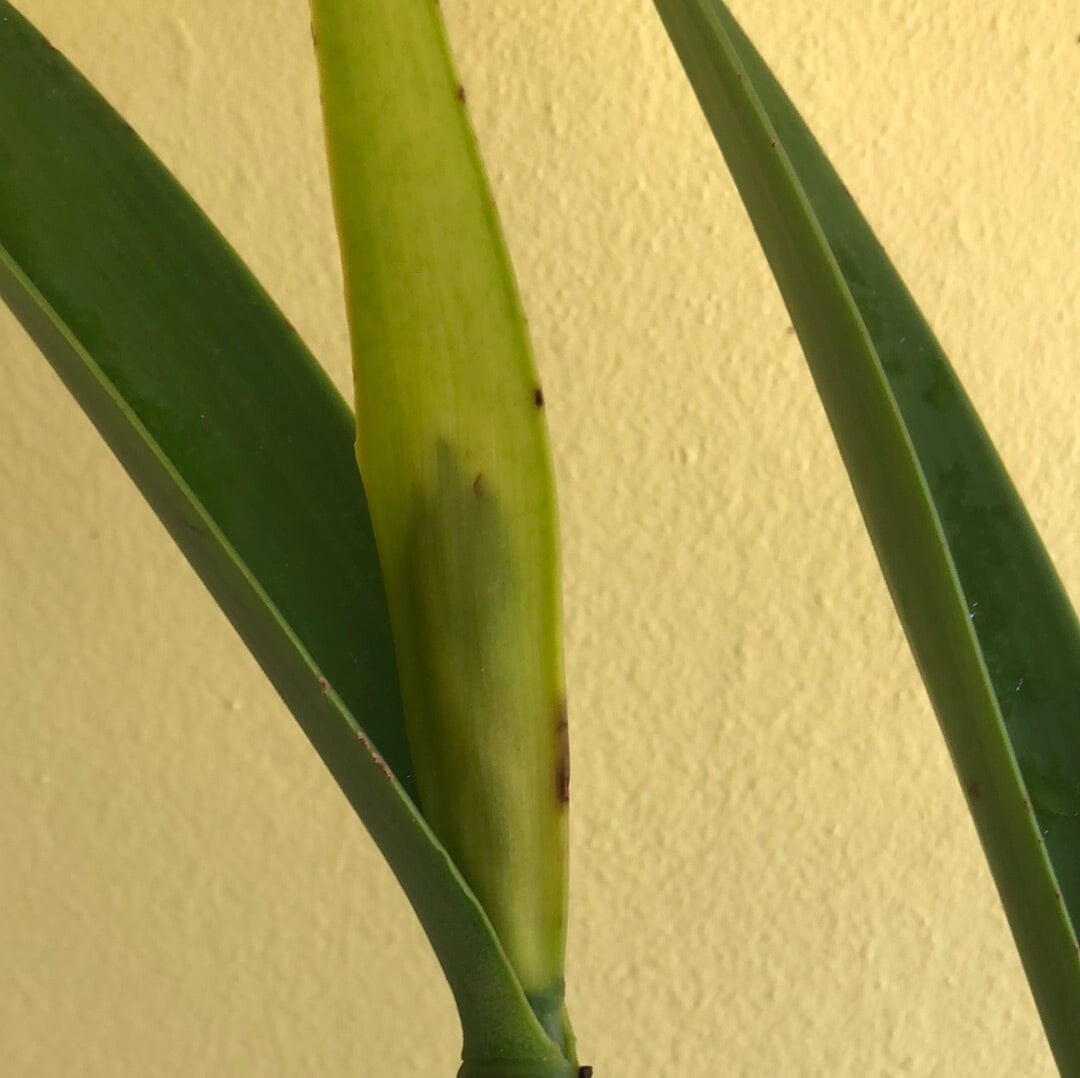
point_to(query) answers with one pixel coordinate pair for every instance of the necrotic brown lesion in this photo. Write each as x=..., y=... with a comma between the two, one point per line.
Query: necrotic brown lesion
x=562, y=754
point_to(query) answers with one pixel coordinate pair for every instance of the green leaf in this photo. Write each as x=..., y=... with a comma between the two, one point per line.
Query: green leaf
x=453, y=449
x=244, y=449
x=993, y=633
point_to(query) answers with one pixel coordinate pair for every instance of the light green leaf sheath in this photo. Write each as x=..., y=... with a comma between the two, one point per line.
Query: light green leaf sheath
x=245, y=451
x=993, y=633
x=452, y=447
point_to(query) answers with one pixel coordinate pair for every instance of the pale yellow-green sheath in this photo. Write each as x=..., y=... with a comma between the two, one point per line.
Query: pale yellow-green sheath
x=452, y=446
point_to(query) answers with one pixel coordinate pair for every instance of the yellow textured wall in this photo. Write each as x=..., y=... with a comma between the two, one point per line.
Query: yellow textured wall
x=773, y=870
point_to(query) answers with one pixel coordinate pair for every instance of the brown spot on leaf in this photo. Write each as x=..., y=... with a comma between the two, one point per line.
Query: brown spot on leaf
x=478, y=485
x=324, y=684
x=973, y=790
x=538, y=397
x=380, y=763
x=461, y=93
x=562, y=754
x=584, y=1072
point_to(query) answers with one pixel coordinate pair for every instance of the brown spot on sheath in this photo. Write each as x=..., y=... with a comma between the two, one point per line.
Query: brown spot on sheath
x=461, y=93
x=538, y=397
x=562, y=754
x=380, y=763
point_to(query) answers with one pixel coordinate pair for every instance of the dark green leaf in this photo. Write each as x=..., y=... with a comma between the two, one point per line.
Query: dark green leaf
x=243, y=448
x=993, y=633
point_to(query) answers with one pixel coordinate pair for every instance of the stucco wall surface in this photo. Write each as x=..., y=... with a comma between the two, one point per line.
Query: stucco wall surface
x=773, y=869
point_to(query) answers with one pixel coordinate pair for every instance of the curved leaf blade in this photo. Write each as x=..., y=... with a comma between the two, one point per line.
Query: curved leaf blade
x=243, y=448
x=994, y=635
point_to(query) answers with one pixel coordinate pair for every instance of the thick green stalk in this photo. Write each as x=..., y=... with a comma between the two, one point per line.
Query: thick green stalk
x=452, y=447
